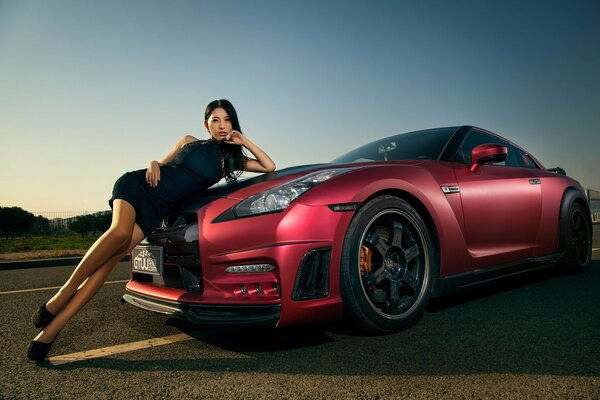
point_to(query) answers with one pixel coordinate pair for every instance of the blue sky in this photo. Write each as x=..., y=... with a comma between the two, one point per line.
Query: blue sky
x=90, y=89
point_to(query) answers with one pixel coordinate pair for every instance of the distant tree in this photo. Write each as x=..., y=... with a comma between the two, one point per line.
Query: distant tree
x=15, y=220
x=82, y=224
x=101, y=222
x=91, y=223
x=41, y=226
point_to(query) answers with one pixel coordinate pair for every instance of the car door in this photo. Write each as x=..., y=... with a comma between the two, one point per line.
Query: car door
x=501, y=205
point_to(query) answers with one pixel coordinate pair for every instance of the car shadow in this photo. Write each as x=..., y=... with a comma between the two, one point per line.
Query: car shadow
x=257, y=340
x=543, y=324
x=492, y=288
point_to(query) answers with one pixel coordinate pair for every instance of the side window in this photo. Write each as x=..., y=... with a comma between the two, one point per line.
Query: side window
x=515, y=157
x=512, y=159
x=522, y=159
x=473, y=139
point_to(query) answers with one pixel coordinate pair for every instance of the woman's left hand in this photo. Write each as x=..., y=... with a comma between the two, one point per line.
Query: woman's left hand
x=235, y=137
x=263, y=162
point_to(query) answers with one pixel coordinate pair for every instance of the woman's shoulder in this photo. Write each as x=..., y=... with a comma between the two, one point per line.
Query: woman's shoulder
x=187, y=139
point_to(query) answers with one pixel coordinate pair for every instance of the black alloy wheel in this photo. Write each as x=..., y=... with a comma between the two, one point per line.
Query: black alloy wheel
x=387, y=269
x=578, y=250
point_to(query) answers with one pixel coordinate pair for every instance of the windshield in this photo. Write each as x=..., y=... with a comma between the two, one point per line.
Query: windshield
x=419, y=145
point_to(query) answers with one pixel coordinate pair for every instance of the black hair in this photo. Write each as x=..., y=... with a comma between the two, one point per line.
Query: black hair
x=234, y=158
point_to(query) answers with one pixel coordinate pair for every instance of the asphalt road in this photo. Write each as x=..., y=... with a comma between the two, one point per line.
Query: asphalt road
x=535, y=337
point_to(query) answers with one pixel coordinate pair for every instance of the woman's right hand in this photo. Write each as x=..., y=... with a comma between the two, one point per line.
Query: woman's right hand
x=153, y=173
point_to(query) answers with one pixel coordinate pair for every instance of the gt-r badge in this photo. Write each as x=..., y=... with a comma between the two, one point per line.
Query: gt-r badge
x=450, y=189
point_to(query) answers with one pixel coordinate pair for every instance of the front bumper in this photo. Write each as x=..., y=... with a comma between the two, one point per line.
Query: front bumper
x=209, y=314
x=302, y=288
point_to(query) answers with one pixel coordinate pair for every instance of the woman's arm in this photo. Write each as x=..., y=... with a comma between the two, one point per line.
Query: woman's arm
x=153, y=171
x=262, y=163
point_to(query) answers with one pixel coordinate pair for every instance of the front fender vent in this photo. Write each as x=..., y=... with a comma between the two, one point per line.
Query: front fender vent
x=312, y=279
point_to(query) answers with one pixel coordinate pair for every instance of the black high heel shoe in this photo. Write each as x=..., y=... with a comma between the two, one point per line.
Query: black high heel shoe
x=42, y=317
x=38, y=351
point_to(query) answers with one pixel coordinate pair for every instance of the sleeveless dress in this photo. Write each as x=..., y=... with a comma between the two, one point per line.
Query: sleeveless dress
x=196, y=167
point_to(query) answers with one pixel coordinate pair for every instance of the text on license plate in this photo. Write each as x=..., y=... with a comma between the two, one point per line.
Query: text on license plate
x=147, y=260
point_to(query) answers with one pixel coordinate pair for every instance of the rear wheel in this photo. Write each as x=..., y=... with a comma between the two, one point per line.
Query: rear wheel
x=387, y=268
x=577, y=239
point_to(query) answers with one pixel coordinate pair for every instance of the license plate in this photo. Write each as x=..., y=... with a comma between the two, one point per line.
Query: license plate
x=147, y=260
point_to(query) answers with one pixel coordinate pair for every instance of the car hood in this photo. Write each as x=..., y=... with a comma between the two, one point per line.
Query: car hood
x=220, y=190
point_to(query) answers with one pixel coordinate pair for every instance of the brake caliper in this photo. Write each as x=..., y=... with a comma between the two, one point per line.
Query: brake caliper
x=365, y=260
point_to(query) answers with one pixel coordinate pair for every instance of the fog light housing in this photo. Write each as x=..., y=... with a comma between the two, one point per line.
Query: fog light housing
x=250, y=268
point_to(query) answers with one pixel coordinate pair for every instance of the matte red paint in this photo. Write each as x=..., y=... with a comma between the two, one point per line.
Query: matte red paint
x=499, y=215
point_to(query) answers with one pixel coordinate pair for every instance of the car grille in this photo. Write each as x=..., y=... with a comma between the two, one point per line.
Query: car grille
x=182, y=268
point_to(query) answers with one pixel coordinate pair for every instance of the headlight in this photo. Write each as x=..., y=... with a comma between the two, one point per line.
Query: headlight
x=279, y=198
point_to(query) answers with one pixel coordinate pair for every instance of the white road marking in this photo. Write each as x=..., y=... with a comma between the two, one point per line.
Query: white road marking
x=51, y=287
x=593, y=250
x=121, y=348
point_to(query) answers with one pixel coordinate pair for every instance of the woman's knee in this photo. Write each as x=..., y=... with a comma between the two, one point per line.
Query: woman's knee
x=121, y=236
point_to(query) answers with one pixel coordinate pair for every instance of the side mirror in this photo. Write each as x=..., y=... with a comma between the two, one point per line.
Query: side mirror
x=487, y=154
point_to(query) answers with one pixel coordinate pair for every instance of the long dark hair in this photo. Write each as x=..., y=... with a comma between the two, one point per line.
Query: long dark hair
x=234, y=158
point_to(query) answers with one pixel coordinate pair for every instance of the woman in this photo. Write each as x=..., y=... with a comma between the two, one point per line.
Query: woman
x=140, y=200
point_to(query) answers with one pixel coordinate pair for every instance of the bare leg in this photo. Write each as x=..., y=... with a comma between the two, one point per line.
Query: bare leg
x=105, y=253
x=115, y=241
x=89, y=288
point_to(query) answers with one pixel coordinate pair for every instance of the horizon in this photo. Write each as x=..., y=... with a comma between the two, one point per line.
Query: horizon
x=592, y=194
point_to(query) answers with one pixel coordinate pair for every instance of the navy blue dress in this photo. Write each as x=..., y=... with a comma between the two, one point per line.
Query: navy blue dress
x=196, y=167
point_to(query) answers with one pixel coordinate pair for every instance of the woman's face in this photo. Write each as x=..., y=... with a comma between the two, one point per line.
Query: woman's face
x=218, y=124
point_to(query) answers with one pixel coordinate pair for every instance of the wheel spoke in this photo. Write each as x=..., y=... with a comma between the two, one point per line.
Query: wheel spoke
x=578, y=253
x=577, y=223
x=391, y=305
x=395, y=285
x=375, y=277
x=375, y=243
x=410, y=280
x=411, y=253
x=396, y=233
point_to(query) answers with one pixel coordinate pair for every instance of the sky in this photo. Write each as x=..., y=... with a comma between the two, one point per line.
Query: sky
x=90, y=89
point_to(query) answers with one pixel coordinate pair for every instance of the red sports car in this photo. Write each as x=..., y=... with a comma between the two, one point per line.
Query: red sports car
x=371, y=236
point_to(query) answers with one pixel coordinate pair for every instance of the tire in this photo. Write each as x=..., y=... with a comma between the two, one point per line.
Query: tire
x=387, y=289
x=577, y=239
